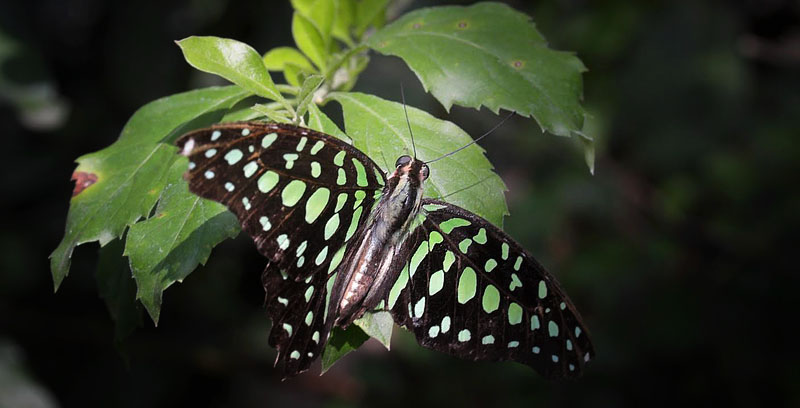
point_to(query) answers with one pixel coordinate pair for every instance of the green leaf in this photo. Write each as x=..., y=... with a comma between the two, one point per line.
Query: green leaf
x=345, y=14
x=232, y=60
x=130, y=174
x=368, y=13
x=341, y=343
x=378, y=127
x=116, y=287
x=303, y=6
x=306, y=94
x=242, y=114
x=309, y=40
x=322, y=14
x=168, y=246
x=322, y=123
x=377, y=325
x=293, y=74
x=271, y=113
x=277, y=58
x=488, y=54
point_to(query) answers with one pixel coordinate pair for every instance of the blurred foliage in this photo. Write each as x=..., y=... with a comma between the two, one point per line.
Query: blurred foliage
x=677, y=251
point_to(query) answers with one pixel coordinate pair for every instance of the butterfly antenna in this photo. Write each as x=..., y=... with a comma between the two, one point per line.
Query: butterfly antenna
x=464, y=188
x=474, y=141
x=403, y=96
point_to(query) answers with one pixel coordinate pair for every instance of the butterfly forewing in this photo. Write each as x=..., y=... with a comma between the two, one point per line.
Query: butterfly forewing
x=469, y=290
x=301, y=195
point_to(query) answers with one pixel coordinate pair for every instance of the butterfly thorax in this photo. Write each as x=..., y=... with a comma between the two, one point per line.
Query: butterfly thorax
x=366, y=277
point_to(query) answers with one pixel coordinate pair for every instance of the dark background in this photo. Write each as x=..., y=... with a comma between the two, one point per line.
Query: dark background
x=677, y=251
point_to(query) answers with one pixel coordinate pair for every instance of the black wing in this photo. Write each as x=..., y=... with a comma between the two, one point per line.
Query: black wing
x=467, y=289
x=301, y=195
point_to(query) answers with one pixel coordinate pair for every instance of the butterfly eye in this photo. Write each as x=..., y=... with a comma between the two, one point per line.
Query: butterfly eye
x=425, y=171
x=402, y=161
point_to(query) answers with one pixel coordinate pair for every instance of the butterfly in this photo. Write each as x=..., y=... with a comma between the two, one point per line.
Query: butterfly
x=342, y=237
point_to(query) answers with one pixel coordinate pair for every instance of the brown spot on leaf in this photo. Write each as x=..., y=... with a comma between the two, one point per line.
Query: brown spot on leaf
x=83, y=180
x=416, y=26
x=462, y=24
x=517, y=64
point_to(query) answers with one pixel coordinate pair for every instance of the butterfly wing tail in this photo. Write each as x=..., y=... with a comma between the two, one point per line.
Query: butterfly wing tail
x=297, y=309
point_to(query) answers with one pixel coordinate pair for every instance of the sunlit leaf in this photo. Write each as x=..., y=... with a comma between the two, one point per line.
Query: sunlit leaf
x=277, y=58
x=232, y=60
x=309, y=40
x=370, y=12
x=306, y=93
x=345, y=13
x=179, y=236
x=488, y=55
x=125, y=179
x=318, y=121
x=377, y=325
x=340, y=343
x=378, y=127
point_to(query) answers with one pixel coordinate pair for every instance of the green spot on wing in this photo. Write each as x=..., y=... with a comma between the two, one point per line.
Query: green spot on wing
x=552, y=329
x=353, y=223
x=339, y=158
x=321, y=256
x=435, y=238
x=480, y=237
x=250, y=169
x=464, y=245
x=467, y=285
x=535, y=324
x=419, y=255
x=491, y=299
x=464, y=335
x=514, y=313
x=268, y=140
x=432, y=207
x=361, y=178
x=515, y=282
x=436, y=282
x=360, y=195
x=419, y=308
x=316, y=203
x=293, y=192
x=337, y=258
x=518, y=263
x=398, y=287
x=317, y=147
x=449, y=258
x=542, y=289
x=233, y=156
x=449, y=225
x=267, y=181
x=331, y=226
x=340, y=200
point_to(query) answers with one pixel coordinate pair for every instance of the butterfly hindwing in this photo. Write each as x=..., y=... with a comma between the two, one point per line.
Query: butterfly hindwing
x=467, y=289
x=301, y=195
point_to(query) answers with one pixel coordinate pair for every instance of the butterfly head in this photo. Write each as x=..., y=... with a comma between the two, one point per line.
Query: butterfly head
x=407, y=167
